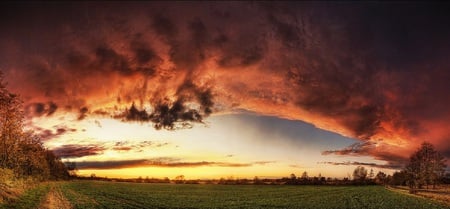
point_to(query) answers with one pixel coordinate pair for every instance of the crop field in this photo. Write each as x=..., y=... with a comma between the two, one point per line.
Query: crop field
x=96, y=194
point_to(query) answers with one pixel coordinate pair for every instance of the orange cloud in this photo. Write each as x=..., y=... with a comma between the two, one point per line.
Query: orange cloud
x=353, y=74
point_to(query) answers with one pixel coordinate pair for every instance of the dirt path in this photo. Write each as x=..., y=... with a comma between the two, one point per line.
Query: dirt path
x=441, y=195
x=55, y=200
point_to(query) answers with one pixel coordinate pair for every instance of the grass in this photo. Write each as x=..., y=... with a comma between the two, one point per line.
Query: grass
x=30, y=199
x=98, y=194
x=93, y=194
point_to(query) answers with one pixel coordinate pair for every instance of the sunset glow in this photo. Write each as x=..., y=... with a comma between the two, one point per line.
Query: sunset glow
x=229, y=89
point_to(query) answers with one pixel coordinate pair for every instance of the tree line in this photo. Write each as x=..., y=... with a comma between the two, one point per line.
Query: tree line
x=22, y=152
x=426, y=168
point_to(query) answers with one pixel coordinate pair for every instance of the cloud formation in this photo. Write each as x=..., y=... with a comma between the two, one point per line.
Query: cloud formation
x=48, y=134
x=368, y=148
x=374, y=165
x=375, y=72
x=76, y=151
x=159, y=162
x=72, y=151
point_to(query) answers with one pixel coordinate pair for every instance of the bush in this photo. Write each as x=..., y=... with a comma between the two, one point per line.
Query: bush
x=8, y=183
x=6, y=177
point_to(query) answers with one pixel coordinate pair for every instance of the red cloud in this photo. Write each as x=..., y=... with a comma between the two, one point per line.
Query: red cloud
x=381, y=80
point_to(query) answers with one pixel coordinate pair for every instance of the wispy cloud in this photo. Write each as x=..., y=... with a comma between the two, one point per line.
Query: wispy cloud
x=166, y=162
x=76, y=151
x=295, y=166
x=375, y=165
x=136, y=146
x=373, y=149
x=83, y=149
x=263, y=162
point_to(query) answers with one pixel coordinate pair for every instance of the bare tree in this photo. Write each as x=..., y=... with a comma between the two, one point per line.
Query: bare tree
x=305, y=176
x=381, y=178
x=371, y=174
x=359, y=174
x=426, y=167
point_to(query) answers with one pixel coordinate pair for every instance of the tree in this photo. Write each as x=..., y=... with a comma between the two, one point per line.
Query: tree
x=256, y=180
x=293, y=177
x=11, y=123
x=305, y=176
x=359, y=174
x=426, y=167
x=179, y=179
x=71, y=168
x=22, y=151
x=381, y=178
x=371, y=174
x=399, y=178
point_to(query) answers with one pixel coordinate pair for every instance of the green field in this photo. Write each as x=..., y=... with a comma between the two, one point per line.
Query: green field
x=95, y=194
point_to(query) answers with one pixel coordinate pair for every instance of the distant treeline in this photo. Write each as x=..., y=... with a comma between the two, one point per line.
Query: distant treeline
x=397, y=179
x=22, y=154
x=426, y=167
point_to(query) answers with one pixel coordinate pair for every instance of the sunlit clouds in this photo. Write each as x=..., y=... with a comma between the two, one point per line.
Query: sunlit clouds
x=128, y=83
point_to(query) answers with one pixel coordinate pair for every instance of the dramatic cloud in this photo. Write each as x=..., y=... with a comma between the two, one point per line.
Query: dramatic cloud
x=41, y=109
x=47, y=134
x=375, y=72
x=379, y=152
x=172, y=115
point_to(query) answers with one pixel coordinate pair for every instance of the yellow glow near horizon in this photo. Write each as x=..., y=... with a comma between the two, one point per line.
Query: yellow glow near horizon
x=227, y=140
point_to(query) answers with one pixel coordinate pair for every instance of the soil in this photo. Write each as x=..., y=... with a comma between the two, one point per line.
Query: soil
x=440, y=194
x=55, y=200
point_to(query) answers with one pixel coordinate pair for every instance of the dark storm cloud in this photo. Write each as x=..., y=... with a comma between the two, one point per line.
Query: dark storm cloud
x=177, y=114
x=82, y=113
x=40, y=109
x=107, y=58
x=372, y=71
x=164, y=27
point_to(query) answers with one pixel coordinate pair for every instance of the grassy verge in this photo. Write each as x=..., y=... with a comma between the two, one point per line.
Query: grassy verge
x=29, y=199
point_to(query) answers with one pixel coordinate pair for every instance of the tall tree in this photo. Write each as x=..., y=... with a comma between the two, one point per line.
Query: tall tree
x=11, y=123
x=426, y=167
x=305, y=175
x=359, y=174
x=22, y=152
x=371, y=174
x=381, y=178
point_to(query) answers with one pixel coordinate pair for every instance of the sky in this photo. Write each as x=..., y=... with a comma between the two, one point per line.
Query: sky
x=220, y=89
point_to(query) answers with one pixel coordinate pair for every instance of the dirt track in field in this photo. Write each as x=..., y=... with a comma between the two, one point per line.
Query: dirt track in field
x=55, y=200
